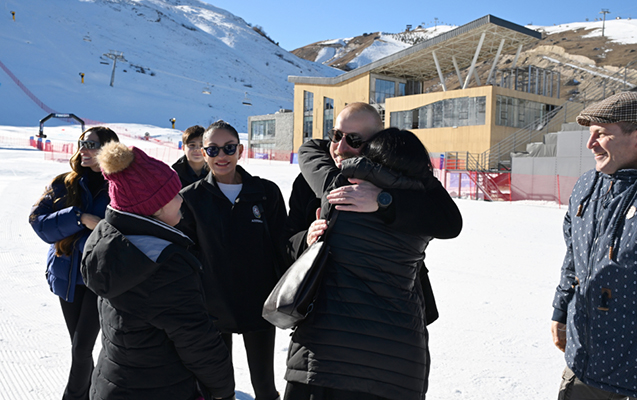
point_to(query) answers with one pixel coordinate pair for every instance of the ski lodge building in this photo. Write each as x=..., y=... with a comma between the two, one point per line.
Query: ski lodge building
x=422, y=89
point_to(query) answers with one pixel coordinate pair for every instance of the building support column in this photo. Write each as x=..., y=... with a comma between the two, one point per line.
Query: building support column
x=495, y=62
x=440, y=76
x=455, y=65
x=475, y=59
x=517, y=55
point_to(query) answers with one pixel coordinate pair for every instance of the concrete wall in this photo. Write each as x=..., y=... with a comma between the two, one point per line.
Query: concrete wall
x=552, y=178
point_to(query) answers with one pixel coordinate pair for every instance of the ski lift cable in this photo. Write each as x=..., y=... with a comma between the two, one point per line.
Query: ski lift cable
x=215, y=85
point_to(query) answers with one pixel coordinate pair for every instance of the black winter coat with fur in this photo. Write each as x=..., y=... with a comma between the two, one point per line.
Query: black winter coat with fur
x=157, y=336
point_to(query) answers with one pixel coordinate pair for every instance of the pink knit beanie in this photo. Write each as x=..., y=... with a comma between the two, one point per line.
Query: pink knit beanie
x=138, y=183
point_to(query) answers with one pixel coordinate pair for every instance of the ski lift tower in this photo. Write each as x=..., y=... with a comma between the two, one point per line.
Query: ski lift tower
x=114, y=55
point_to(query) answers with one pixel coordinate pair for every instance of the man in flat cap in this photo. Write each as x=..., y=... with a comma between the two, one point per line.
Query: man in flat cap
x=595, y=304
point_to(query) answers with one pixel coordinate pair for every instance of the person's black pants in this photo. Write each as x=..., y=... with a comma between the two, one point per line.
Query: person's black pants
x=83, y=322
x=259, y=347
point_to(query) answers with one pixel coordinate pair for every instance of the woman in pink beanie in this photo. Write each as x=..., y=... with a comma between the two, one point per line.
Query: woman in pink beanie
x=158, y=340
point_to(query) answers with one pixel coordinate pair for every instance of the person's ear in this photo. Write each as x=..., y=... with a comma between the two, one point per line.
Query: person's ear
x=240, y=151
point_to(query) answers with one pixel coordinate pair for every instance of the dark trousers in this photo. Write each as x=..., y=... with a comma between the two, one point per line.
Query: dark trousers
x=301, y=391
x=259, y=347
x=83, y=322
x=574, y=389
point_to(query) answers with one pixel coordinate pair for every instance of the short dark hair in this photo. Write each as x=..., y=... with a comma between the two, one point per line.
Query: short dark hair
x=191, y=133
x=220, y=124
x=399, y=150
x=627, y=127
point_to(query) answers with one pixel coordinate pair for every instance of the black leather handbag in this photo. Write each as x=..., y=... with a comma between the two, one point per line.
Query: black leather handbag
x=292, y=298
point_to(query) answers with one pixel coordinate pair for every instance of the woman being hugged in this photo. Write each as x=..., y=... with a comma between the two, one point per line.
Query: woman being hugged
x=236, y=221
x=64, y=216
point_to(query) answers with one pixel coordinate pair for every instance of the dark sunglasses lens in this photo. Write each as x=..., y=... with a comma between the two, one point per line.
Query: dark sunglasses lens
x=88, y=144
x=335, y=136
x=212, y=151
x=354, y=141
x=230, y=149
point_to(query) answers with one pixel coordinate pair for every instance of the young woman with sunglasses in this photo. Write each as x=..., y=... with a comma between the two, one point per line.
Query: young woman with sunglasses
x=64, y=216
x=236, y=221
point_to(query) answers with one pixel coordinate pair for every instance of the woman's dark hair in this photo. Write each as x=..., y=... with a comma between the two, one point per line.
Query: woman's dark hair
x=71, y=182
x=221, y=124
x=399, y=150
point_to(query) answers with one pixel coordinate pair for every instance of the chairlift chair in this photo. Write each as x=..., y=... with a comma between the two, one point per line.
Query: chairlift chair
x=246, y=101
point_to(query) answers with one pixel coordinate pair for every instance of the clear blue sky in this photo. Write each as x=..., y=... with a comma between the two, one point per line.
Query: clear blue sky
x=296, y=23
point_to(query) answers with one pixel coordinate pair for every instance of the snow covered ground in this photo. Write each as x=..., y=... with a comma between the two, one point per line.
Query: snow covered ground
x=493, y=284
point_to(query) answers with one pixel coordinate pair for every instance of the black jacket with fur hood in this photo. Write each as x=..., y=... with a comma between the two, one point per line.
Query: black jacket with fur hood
x=158, y=340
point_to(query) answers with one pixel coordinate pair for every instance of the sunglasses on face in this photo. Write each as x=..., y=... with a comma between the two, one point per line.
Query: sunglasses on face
x=88, y=144
x=229, y=149
x=353, y=140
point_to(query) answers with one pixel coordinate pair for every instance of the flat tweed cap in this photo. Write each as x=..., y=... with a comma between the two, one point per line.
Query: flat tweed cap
x=620, y=107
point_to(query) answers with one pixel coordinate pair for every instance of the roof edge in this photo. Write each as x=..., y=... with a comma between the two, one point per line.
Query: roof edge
x=487, y=19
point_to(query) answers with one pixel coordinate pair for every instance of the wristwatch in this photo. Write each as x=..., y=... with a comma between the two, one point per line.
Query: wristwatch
x=384, y=199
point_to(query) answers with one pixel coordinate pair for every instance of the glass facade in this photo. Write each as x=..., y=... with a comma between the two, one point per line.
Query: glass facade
x=383, y=90
x=463, y=111
x=262, y=129
x=518, y=113
x=308, y=115
x=328, y=115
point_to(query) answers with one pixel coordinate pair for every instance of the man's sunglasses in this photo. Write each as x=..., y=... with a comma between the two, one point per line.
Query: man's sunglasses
x=354, y=140
x=88, y=144
x=229, y=149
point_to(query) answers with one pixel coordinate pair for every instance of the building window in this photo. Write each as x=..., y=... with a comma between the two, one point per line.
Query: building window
x=260, y=130
x=463, y=111
x=308, y=115
x=384, y=89
x=401, y=88
x=328, y=116
x=518, y=113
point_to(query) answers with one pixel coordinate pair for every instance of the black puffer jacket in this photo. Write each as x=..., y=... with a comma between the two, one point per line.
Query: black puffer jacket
x=367, y=331
x=240, y=246
x=187, y=175
x=157, y=336
x=303, y=204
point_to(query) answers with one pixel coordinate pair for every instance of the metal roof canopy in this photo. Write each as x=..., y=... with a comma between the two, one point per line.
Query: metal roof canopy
x=457, y=46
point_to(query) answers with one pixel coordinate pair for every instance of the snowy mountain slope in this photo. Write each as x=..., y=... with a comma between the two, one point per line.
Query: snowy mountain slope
x=354, y=52
x=174, y=50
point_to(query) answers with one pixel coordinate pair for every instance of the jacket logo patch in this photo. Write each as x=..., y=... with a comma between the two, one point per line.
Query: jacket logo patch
x=631, y=212
x=256, y=212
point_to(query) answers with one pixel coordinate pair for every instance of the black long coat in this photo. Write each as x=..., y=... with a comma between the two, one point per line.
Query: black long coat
x=240, y=245
x=157, y=336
